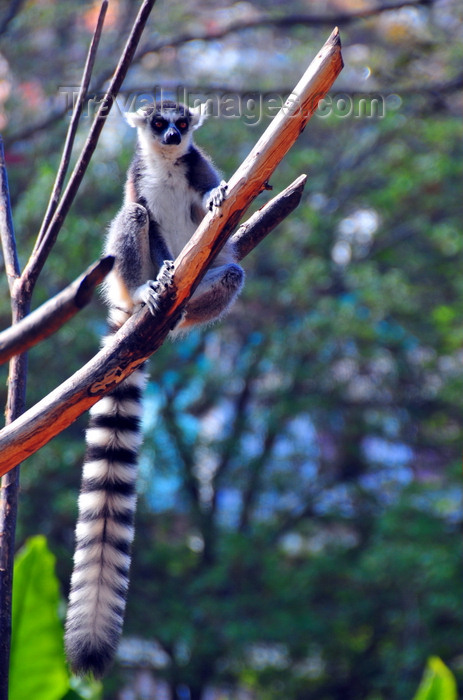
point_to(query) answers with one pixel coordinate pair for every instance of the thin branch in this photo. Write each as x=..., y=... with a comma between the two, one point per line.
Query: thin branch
x=54, y=313
x=10, y=253
x=37, y=260
x=9, y=488
x=260, y=224
x=15, y=406
x=255, y=469
x=74, y=123
x=340, y=19
x=31, y=130
x=143, y=333
x=238, y=424
x=187, y=458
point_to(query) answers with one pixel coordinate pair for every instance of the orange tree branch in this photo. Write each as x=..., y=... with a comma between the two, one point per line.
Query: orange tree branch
x=54, y=313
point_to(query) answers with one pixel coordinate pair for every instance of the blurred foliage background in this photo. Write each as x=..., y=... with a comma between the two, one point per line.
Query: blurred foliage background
x=299, y=517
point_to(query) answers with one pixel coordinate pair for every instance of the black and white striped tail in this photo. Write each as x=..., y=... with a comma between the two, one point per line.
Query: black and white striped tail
x=105, y=529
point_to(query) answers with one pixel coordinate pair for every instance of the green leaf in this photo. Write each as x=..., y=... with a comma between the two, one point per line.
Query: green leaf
x=438, y=682
x=38, y=667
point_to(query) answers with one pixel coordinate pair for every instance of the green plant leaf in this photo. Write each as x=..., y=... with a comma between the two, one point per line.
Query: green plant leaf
x=438, y=682
x=38, y=667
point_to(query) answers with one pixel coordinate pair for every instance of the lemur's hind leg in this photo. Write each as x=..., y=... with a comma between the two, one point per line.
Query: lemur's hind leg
x=214, y=295
x=130, y=283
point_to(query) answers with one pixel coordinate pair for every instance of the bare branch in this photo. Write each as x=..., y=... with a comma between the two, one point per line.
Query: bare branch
x=74, y=123
x=238, y=425
x=254, y=230
x=10, y=253
x=30, y=130
x=255, y=470
x=284, y=21
x=52, y=315
x=143, y=333
x=38, y=258
x=15, y=405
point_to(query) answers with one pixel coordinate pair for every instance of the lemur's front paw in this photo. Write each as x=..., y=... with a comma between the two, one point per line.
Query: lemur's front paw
x=166, y=273
x=217, y=196
x=150, y=292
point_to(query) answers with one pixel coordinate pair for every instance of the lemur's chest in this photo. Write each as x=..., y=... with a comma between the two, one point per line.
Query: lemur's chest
x=172, y=203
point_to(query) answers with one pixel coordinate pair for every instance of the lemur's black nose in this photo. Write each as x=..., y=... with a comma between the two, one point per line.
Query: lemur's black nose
x=172, y=136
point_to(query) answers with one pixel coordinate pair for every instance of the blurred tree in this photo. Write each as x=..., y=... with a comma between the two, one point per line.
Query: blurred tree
x=299, y=508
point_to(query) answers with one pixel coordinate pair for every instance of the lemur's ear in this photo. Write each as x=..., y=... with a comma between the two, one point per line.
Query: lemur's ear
x=199, y=113
x=136, y=119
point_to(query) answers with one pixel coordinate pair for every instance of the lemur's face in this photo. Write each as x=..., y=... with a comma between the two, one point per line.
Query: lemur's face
x=169, y=126
x=166, y=124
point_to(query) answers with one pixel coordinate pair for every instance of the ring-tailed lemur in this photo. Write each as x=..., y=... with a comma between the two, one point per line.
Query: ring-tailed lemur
x=170, y=186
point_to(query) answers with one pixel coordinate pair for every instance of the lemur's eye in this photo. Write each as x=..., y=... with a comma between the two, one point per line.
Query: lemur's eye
x=181, y=124
x=159, y=124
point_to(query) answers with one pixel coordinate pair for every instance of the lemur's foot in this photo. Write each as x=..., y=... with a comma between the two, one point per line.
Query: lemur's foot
x=217, y=196
x=150, y=293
